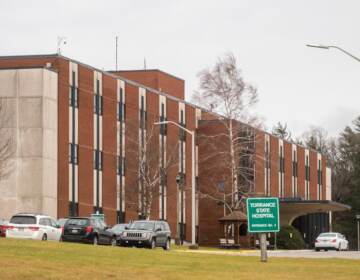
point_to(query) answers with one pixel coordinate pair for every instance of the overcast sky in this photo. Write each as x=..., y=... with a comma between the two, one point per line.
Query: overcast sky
x=298, y=85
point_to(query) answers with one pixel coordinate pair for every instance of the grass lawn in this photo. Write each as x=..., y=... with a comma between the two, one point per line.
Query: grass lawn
x=23, y=259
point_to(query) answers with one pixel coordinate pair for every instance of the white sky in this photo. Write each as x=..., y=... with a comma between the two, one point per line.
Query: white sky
x=298, y=85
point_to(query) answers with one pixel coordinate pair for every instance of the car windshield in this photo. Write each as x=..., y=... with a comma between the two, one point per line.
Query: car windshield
x=327, y=235
x=118, y=228
x=61, y=222
x=77, y=222
x=23, y=220
x=142, y=225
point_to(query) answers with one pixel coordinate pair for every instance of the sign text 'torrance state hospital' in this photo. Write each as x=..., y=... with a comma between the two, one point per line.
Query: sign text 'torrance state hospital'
x=263, y=214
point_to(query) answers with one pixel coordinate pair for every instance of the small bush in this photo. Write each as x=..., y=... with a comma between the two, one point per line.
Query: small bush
x=290, y=238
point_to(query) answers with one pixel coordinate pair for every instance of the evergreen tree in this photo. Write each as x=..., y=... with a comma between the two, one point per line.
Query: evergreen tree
x=346, y=181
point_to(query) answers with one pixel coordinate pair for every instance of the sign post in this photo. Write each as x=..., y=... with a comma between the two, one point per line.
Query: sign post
x=263, y=216
x=358, y=231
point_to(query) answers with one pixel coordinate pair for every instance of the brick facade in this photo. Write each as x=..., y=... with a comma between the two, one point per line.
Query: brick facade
x=211, y=174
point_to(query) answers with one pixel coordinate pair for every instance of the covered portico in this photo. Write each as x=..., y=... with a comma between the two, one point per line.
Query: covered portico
x=290, y=209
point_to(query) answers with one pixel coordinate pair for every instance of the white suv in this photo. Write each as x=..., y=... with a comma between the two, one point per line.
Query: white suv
x=32, y=226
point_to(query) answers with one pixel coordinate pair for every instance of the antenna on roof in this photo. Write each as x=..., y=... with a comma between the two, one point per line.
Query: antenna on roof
x=61, y=40
x=116, y=53
x=144, y=63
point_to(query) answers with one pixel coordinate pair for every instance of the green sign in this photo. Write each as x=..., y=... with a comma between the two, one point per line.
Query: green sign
x=263, y=214
x=98, y=216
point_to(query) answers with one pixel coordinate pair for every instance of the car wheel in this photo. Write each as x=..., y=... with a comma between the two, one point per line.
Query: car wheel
x=153, y=244
x=317, y=249
x=339, y=247
x=95, y=240
x=44, y=237
x=167, y=245
x=113, y=241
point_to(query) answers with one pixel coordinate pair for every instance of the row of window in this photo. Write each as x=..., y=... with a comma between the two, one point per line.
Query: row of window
x=98, y=159
x=294, y=167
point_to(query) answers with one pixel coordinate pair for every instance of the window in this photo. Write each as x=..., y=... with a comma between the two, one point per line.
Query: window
x=319, y=174
x=120, y=165
x=307, y=169
x=73, y=153
x=98, y=104
x=73, y=97
x=73, y=93
x=282, y=170
x=121, y=112
x=163, y=127
x=53, y=223
x=282, y=161
x=45, y=222
x=294, y=166
x=98, y=160
x=23, y=220
x=163, y=177
x=182, y=133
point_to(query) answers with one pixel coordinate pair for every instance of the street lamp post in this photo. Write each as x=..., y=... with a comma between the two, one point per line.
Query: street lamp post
x=193, y=203
x=358, y=60
x=334, y=47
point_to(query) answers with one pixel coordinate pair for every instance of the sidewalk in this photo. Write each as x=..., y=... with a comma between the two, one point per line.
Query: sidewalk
x=280, y=253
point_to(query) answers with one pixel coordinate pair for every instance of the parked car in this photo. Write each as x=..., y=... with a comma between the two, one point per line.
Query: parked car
x=148, y=234
x=88, y=230
x=33, y=226
x=118, y=229
x=331, y=241
x=3, y=225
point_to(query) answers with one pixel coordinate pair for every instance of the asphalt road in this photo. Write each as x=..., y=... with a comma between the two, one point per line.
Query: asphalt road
x=282, y=253
x=313, y=254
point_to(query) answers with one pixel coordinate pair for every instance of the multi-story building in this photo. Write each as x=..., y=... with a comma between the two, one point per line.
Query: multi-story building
x=84, y=139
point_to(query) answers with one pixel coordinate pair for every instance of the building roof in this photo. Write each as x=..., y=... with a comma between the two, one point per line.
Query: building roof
x=235, y=216
x=146, y=70
x=219, y=116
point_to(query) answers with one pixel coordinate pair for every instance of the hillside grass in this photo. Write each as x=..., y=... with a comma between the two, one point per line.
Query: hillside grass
x=25, y=259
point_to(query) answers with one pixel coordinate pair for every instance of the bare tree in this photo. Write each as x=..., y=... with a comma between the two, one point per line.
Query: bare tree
x=281, y=130
x=150, y=172
x=316, y=138
x=223, y=91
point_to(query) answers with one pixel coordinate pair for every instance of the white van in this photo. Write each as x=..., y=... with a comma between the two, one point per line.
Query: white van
x=33, y=226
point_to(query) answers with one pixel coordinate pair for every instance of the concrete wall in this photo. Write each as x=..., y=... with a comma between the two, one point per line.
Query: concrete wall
x=29, y=101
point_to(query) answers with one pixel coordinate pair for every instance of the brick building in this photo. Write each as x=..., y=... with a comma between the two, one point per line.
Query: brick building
x=78, y=132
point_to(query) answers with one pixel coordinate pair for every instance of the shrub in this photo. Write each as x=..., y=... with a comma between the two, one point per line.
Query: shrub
x=290, y=238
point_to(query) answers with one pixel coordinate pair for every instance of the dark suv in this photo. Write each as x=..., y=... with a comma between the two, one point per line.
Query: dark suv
x=148, y=234
x=88, y=230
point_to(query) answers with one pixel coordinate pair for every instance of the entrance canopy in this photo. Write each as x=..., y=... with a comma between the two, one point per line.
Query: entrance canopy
x=290, y=209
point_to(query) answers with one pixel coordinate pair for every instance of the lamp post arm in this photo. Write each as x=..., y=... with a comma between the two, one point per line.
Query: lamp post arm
x=176, y=124
x=345, y=52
